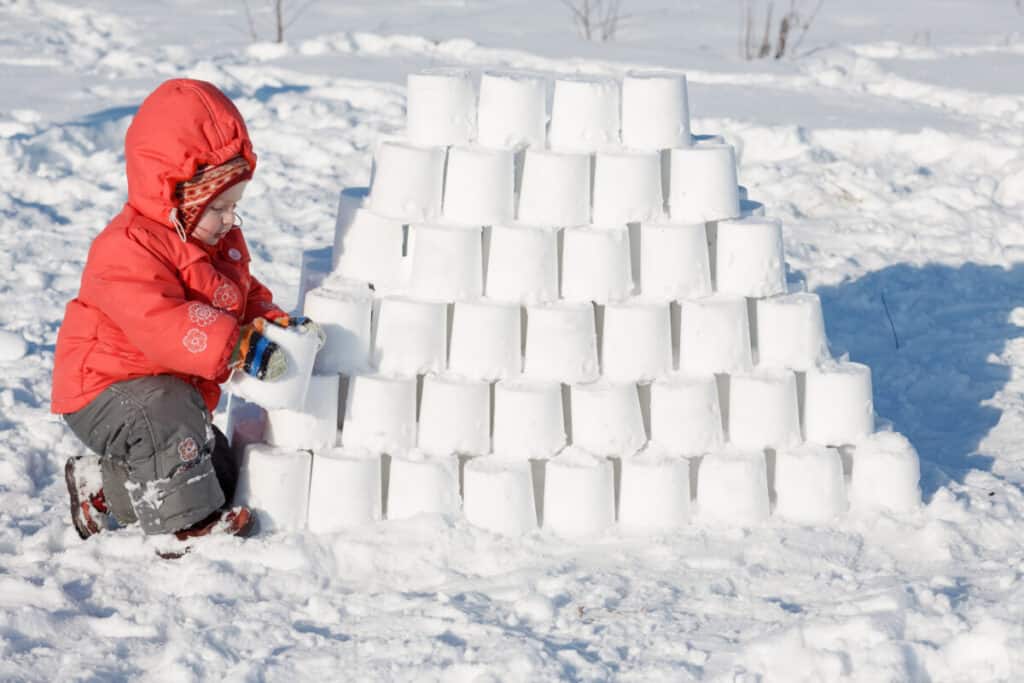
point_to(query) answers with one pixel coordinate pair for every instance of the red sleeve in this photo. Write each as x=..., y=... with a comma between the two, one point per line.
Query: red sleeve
x=145, y=299
x=260, y=303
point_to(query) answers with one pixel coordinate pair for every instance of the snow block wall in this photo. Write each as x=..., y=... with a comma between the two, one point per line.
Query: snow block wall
x=586, y=293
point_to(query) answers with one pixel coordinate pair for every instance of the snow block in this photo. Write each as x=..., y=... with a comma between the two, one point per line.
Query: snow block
x=655, y=111
x=585, y=114
x=274, y=483
x=498, y=495
x=749, y=260
x=447, y=262
x=596, y=264
x=455, y=416
x=685, y=414
x=522, y=264
x=674, y=261
x=714, y=335
x=579, y=494
x=344, y=314
x=654, y=492
x=512, y=110
x=791, y=331
x=809, y=485
x=561, y=343
x=732, y=488
x=763, y=410
x=370, y=247
x=486, y=340
x=702, y=185
x=886, y=474
x=606, y=418
x=555, y=189
x=315, y=426
x=528, y=419
x=440, y=107
x=636, y=341
x=419, y=484
x=627, y=187
x=411, y=337
x=380, y=414
x=838, y=404
x=344, y=489
x=479, y=186
x=407, y=181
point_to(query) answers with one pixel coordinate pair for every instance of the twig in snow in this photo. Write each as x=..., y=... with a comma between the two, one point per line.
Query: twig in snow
x=892, y=325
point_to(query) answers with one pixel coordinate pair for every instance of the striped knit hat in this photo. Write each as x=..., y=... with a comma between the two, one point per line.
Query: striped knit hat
x=195, y=194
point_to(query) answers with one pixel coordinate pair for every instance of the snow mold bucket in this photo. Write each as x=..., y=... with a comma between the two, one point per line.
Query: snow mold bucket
x=627, y=187
x=380, y=414
x=636, y=341
x=454, y=416
x=674, y=261
x=654, y=492
x=791, y=331
x=529, y=419
x=579, y=494
x=408, y=181
x=522, y=264
x=886, y=474
x=596, y=264
x=561, y=343
x=732, y=488
x=809, y=484
x=585, y=114
x=274, y=483
x=749, y=260
x=486, y=340
x=498, y=495
x=512, y=110
x=447, y=262
x=702, y=185
x=655, y=111
x=838, y=404
x=555, y=189
x=410, y=336
x=441, y=107
x=344, y=490
x=479, y=186
x=289, y=390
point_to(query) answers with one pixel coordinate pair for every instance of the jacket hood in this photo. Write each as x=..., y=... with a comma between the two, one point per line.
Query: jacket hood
x=180, y=126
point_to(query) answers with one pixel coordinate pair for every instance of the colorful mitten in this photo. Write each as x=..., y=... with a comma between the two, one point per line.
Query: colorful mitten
x=256, y=355
x=303, y=324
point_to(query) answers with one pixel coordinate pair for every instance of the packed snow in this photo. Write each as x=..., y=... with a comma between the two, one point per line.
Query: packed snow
x=890, y=148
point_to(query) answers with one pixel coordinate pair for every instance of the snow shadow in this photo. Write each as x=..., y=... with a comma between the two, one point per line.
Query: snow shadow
x=930, y=364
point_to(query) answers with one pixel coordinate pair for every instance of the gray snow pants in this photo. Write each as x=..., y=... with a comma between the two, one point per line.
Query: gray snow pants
x=164, y=464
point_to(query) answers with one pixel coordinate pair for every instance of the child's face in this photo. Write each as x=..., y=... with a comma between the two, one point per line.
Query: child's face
x=219, y=216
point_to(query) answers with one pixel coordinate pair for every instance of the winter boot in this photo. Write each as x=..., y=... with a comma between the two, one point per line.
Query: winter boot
x=89, y=511
x=236, y=521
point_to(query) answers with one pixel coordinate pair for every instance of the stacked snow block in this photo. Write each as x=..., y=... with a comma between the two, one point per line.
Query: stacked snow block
x=576, y=318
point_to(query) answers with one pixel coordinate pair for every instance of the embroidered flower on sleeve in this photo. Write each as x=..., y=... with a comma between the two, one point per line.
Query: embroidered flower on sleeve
x=226, y=297
x=201, y=314
x=187, y=449
x=194, y=340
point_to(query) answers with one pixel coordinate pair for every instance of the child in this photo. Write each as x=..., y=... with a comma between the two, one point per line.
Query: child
x=166, y=310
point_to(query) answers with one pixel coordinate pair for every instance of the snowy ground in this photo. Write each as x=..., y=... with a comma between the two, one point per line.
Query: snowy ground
x=894, y=150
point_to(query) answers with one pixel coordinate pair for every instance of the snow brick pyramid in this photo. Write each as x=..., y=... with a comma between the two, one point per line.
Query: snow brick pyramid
x=567, y=320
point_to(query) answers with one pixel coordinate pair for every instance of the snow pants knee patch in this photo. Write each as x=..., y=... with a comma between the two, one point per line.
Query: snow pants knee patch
x=157, y=435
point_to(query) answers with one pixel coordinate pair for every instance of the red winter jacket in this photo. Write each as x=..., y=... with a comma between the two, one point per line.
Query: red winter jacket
x=150, y=304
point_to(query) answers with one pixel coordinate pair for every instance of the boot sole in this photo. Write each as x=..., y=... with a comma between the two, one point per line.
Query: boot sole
x=76, y=504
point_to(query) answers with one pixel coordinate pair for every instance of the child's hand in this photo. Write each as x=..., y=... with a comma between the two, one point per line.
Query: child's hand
x=256, y=355
x=303, y=324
